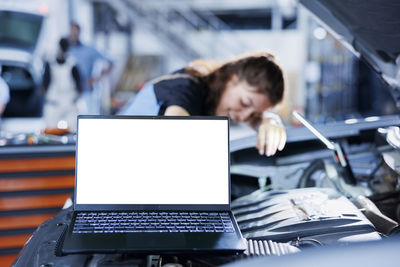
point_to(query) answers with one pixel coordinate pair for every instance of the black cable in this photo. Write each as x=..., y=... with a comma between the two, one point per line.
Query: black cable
x=305, y=179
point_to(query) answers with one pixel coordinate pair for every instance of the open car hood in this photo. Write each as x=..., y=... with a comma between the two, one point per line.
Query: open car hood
x=371, y=29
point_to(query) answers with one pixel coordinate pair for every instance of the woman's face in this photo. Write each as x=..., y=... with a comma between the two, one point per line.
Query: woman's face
x=241, y=102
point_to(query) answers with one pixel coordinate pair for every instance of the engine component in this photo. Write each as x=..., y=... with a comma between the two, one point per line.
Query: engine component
x=382, y=223
x=268, y=247
x=392, y=159
x=392, y=135
x=340, y=156
x=319, y=214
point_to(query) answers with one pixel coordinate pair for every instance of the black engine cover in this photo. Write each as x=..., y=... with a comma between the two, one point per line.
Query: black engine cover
x=316, y=214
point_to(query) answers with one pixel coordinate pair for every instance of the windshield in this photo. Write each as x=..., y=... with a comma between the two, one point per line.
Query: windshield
x=19, y=29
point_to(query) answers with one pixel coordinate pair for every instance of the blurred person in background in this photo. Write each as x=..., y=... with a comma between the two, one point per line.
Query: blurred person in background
x=244, y=89
x=86, y=57
x=4, y=96
x=62, y=88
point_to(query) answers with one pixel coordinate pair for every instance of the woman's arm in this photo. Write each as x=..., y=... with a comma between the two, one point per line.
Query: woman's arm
x=176, y=111
x=271, y=134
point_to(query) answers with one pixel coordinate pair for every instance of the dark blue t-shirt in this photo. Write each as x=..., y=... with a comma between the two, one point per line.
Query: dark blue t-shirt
x=182, y=90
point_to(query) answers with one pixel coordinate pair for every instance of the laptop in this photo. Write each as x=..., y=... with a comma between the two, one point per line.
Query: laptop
x=152, y=185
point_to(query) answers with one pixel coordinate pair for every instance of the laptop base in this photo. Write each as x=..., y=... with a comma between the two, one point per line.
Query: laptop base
x=158, y=243
x=148, y=242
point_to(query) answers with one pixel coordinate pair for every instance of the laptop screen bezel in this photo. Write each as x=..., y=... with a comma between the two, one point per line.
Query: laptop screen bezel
x=151, y=207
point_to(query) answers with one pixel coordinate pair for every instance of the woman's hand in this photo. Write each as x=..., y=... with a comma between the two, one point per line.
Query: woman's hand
x=271, y=136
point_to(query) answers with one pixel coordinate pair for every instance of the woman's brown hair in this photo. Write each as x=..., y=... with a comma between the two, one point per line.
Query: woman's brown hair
x=260, y=71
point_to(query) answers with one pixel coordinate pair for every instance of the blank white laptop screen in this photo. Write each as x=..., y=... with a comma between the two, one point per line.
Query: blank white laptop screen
x=152, y=161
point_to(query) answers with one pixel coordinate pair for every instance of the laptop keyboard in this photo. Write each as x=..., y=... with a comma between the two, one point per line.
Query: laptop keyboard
x=156, y=222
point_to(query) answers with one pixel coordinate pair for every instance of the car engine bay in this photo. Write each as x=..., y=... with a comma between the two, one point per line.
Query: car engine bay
x=293, y=202
x=304, y=199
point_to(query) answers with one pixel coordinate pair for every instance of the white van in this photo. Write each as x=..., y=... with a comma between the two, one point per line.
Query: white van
x=20, y=65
